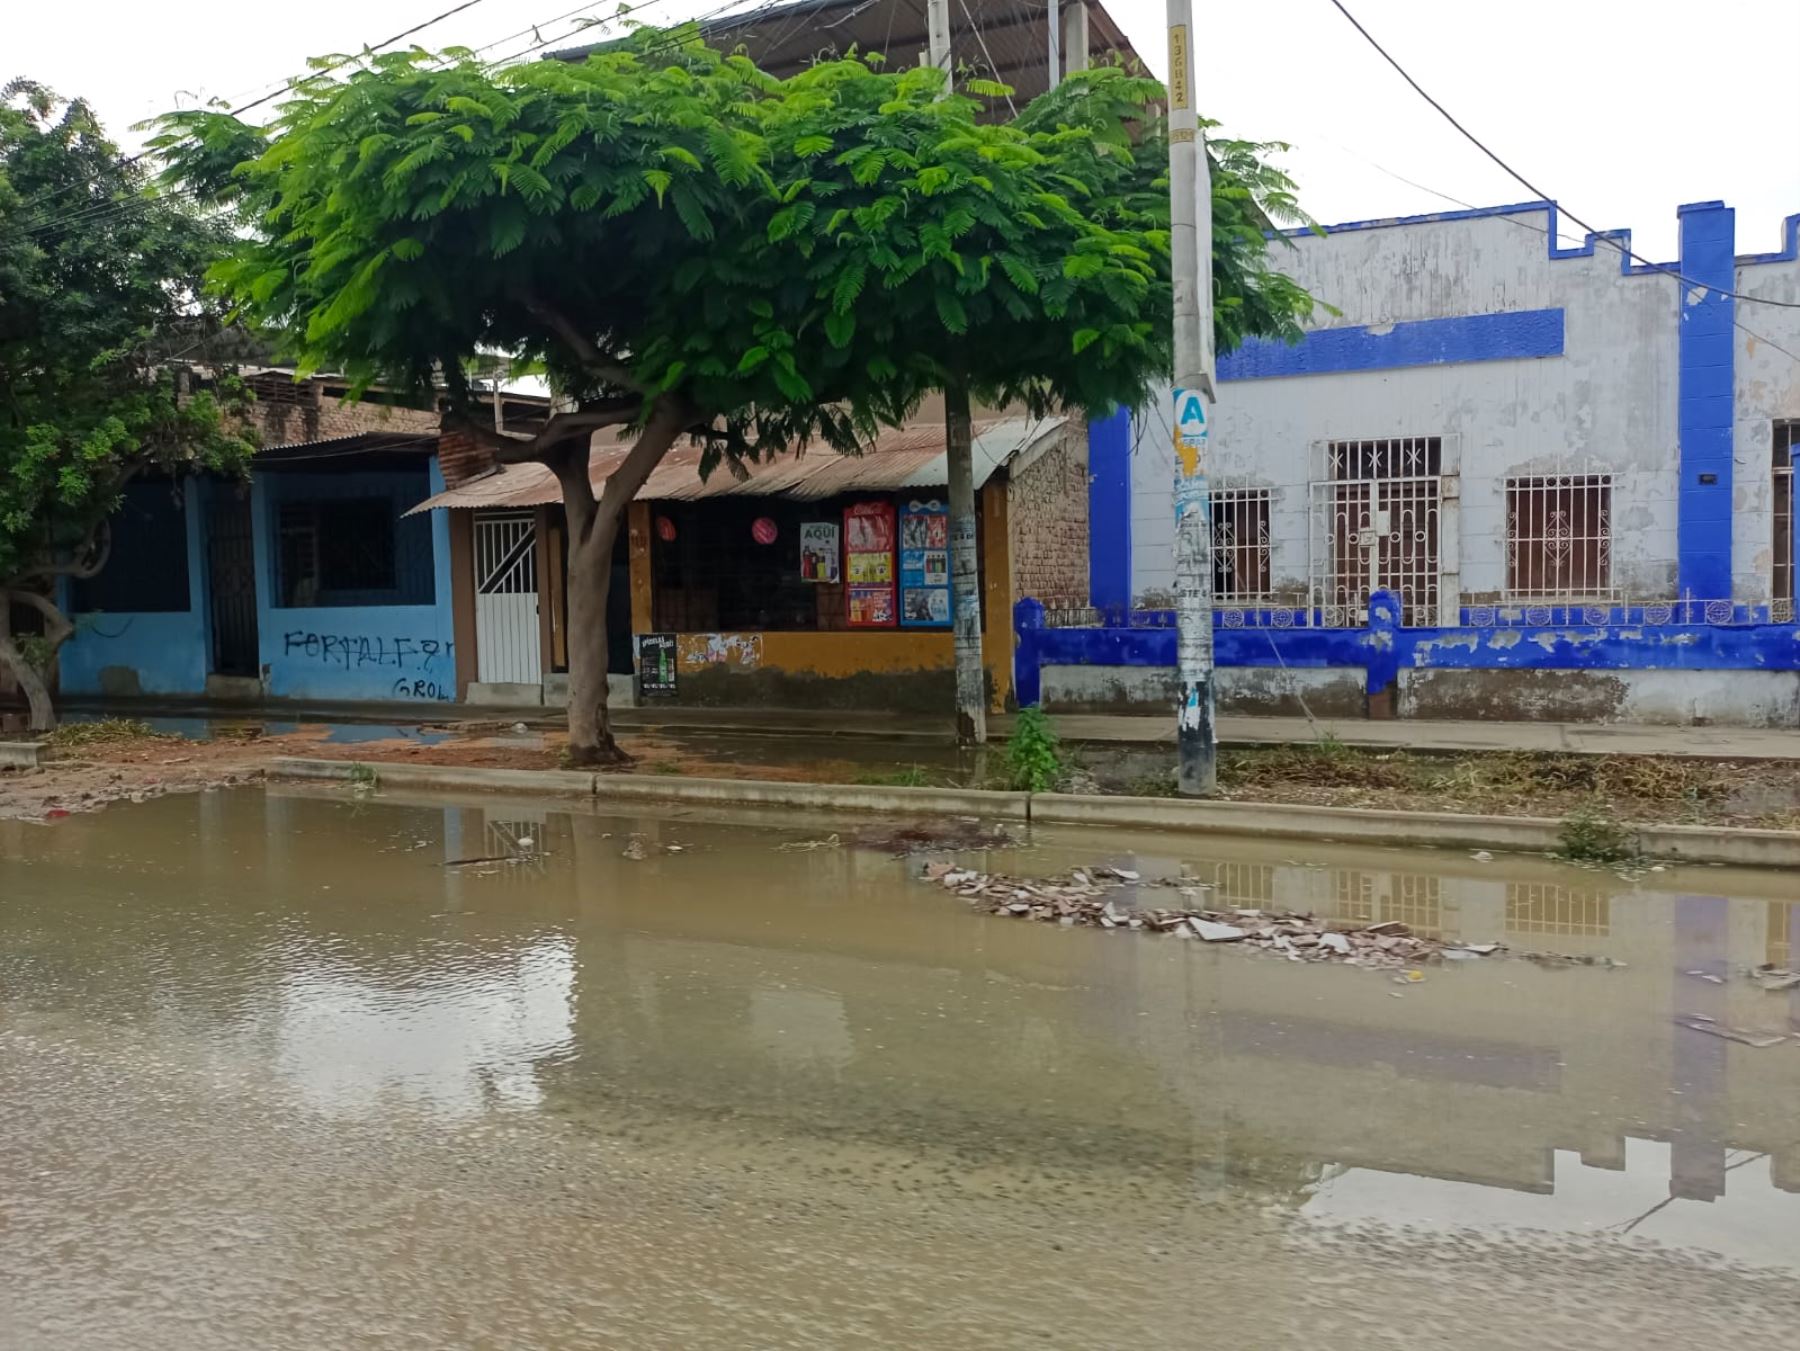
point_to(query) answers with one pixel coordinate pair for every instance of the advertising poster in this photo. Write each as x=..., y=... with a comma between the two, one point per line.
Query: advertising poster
x=656, y=663
x=871, y=600
x=819, y=551
x=925, y=564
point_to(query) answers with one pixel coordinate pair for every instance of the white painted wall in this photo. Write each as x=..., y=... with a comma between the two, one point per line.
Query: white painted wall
x=1607, y=404
x=1768, y=390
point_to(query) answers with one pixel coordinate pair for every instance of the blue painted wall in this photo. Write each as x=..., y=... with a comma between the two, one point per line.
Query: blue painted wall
x=1625, y=643
x=165, y=653
x=1109, y=511
x=1510, y=336
x=1705, y=402
x=344, y=653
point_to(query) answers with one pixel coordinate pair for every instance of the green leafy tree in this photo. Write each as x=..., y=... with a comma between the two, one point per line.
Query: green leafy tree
x=688, y=247
x=96, y=277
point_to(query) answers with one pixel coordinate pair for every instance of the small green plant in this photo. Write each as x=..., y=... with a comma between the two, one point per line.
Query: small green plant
x=363, y=778
x=913, y=776
x=72, y=736
x=1329, y=747
x=666, y=767
x=1034, y=762
x=1592, y=834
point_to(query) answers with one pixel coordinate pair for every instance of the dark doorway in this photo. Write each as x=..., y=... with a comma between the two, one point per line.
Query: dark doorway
x=231, y=577
x=618, y=607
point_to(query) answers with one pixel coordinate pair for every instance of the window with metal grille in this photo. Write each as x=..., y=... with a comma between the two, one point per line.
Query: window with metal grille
x=1787, y=443
x=1240, y=526
x=147, y=570
x=1376, y=527
x=352, y=551
x=1559, y=536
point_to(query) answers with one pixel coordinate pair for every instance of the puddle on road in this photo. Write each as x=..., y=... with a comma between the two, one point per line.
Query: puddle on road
x=272, y=1075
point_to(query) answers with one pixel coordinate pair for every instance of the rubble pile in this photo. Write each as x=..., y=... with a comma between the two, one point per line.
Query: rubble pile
x=1090, y=898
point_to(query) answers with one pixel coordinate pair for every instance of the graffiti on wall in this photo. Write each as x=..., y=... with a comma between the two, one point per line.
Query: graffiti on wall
x=355, y=651
x=423, y=664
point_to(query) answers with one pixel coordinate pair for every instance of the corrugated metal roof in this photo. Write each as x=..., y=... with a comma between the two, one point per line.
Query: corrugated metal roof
x=902, y=457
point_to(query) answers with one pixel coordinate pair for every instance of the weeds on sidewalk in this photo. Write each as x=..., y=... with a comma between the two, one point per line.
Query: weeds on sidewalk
x=913, y=776
x=1034, y=762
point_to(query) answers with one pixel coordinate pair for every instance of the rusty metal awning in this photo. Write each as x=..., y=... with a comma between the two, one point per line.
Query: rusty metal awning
x=902, y=458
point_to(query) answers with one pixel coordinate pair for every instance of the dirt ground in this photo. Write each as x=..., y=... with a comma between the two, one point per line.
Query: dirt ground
x=93, y=764
x=1629, y=788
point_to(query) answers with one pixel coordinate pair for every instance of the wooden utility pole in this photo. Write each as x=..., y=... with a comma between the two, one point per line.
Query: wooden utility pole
x=1190, y=244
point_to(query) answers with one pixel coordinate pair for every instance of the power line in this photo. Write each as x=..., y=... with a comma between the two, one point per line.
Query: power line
x=273, y=94
x=1474, y=140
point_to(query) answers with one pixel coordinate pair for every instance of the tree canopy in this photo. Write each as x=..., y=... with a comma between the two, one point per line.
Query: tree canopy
x=96, y=277
x=689, y=246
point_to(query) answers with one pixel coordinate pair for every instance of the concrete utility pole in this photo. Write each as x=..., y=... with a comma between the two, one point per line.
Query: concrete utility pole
x=1054, y=26
x=1075, y=37
x=959, y=454
x=937, y=33
x=1190, y=246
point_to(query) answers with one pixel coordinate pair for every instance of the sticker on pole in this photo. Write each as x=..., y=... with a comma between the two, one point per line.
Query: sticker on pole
x=1190, y=431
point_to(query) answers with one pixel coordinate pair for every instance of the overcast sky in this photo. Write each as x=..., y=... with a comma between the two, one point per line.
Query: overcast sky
x=1621, y=110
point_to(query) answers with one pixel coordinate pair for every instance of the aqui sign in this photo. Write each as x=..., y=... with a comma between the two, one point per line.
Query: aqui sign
x=1190, y=432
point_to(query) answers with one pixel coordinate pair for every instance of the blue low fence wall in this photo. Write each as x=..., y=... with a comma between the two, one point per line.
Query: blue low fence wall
x=1673, y=636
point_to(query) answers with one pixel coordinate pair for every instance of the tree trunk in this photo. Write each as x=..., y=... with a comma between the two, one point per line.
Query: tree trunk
x=593, y=530
x=31, y=680
x=965, y=574
x=590, y=579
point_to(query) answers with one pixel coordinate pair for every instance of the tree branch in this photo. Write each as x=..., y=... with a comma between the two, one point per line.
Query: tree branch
x=591, y=359
x=540, y=447
x=669, y=417
x=93, y=557
x=57, y=625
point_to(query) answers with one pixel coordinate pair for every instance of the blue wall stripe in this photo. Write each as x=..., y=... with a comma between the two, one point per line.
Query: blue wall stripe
x=1706, y=348
x=1109, y=511
x=1510, y=336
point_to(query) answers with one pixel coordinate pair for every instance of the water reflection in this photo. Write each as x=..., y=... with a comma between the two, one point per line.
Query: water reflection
x=456, y=1038
x=643, y=975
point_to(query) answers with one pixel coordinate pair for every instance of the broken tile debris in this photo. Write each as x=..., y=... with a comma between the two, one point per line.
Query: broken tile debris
x=1113, y=898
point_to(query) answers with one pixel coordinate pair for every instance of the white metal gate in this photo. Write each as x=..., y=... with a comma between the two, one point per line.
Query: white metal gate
x=1375, y=525
x=508, y=645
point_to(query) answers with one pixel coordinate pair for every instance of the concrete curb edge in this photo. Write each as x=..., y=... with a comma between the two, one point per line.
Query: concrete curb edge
x=1444, y=830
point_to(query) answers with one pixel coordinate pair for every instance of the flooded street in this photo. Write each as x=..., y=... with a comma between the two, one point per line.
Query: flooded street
x=274, y=1076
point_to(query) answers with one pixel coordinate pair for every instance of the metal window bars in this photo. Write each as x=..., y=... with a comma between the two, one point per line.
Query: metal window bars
x=1241, y=546
x=1781, y=588
x=1559, y=537
x=1376, y=515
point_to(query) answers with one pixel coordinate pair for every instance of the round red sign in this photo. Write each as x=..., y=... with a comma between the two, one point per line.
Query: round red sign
x=762, y=530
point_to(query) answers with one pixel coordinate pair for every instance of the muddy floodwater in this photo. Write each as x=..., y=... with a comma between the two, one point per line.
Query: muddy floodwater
x=272, y=1075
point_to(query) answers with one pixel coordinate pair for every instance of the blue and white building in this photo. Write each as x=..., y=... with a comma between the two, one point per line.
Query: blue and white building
x=1509, y=478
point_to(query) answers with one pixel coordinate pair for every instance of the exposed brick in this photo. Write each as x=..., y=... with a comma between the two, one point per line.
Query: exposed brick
x=1047, y=515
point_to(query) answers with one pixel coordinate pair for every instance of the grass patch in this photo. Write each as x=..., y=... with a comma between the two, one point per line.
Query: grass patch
x=76, y=736
x=912, y=776
x=1592, y=834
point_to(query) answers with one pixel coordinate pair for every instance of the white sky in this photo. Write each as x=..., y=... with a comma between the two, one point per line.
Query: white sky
x=1623, y=109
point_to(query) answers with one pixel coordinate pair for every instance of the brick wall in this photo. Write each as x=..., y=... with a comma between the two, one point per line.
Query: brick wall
x=291, y=414
x=1047, y=510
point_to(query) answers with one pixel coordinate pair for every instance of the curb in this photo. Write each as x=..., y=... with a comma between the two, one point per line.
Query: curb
x=1443, y=830
x=657, y=788
x=21, y=754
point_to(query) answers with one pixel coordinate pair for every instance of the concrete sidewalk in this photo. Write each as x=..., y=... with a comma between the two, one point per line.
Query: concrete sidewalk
x=1744, y=743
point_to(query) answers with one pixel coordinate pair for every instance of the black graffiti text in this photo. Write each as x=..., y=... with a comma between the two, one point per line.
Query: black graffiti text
x=354, y=651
